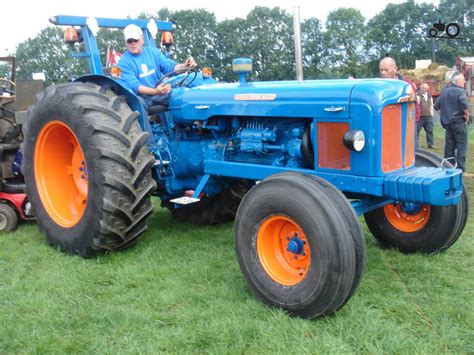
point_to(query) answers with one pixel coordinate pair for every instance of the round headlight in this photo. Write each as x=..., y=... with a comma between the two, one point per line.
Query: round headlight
x=354, y=140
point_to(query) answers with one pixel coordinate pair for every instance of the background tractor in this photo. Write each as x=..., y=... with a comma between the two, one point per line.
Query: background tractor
x=322, y=152
x=15, y=97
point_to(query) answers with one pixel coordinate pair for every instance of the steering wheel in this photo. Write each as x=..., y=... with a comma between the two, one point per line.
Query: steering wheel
x=179, y=78
x=7, y=85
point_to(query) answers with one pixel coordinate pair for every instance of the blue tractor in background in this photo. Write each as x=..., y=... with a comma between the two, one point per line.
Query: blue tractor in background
x=293, y=162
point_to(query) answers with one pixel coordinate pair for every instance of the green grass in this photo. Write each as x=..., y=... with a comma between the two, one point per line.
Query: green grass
x=180, y=290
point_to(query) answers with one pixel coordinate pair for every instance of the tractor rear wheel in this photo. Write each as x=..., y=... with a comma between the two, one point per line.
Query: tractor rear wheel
x=216, y=209
x=295, y=247
x=413, y=227
x=87, y=169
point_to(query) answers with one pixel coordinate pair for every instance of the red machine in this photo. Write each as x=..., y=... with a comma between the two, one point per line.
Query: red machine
x=14, y=205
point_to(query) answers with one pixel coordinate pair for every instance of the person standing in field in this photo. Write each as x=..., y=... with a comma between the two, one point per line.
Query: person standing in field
x=454, y=107
x=425, y=101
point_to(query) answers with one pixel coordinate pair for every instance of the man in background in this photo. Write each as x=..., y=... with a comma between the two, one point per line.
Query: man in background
x=388, y=70
x=454, y=106
x=425, y=101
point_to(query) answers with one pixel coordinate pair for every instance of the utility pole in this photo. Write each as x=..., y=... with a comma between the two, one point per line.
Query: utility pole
x=298, y=52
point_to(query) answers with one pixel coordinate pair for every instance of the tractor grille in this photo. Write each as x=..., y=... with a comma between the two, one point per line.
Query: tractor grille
x=331, y=151
x=398, y=137
x=410, y=136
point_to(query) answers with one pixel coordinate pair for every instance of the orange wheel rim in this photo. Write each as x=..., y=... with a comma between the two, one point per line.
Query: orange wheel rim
x=407, y=221
x=61, y=174
x=283, y=250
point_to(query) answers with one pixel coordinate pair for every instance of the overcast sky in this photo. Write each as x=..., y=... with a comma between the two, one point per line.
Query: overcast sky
x=25, y=19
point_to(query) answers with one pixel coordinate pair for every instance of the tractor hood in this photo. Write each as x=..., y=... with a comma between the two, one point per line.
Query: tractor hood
x=315, y=98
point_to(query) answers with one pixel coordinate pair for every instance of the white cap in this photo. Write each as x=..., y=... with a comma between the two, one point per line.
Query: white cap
x=132, y=32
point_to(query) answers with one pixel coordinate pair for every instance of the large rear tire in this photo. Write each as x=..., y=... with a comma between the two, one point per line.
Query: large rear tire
x=87, y=169
x=419, y=228
x=216, y=209
x=294, y=246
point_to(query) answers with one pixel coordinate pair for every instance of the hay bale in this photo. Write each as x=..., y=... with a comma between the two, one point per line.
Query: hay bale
x=434, y=75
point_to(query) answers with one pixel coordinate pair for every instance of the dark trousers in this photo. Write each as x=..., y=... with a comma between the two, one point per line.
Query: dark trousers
x=425, y=122
x=148, y=101
x=456, y=143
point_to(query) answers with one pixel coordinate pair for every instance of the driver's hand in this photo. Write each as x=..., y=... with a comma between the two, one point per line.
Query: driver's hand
x=163, y=89
x=190, y=62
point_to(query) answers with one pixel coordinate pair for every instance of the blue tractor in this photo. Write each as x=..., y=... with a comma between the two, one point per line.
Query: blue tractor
x=293, y=163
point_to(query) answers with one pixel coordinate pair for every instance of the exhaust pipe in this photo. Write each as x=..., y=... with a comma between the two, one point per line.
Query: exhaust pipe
x=297, y=36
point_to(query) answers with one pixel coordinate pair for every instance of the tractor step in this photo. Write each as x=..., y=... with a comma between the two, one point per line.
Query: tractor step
x=185, y=200
x=161, y=162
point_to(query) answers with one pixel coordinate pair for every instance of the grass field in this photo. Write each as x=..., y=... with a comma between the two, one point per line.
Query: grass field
x=180, y=290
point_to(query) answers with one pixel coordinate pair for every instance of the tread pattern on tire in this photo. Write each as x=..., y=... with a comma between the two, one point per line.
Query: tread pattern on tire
x=114, y=145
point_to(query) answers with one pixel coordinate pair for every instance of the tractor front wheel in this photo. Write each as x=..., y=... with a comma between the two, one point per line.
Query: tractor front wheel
x=87, y=169
x=412, y=227
x=295, y=247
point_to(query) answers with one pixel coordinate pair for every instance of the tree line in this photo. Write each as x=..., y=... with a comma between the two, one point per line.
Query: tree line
x=347, y=44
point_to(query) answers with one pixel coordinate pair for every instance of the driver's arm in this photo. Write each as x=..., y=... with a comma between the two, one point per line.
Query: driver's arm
x=188, y=64
x=162, y=89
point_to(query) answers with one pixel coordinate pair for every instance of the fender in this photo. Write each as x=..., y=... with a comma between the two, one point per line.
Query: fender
x=120, y=88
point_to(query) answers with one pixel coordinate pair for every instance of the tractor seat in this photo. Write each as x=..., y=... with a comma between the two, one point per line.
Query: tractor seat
x=13, y=186
x=157, y=109
x=154, y=112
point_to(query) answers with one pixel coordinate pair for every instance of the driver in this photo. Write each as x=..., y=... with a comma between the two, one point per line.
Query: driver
x=142, y=67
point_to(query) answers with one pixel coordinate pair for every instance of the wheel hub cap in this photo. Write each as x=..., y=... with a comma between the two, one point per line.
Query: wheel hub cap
x=3, y=222
x=61, y=173
x=408, y=217
x=283, y=250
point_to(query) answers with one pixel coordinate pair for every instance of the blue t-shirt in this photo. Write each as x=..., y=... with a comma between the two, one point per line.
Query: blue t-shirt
x=145, y=68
